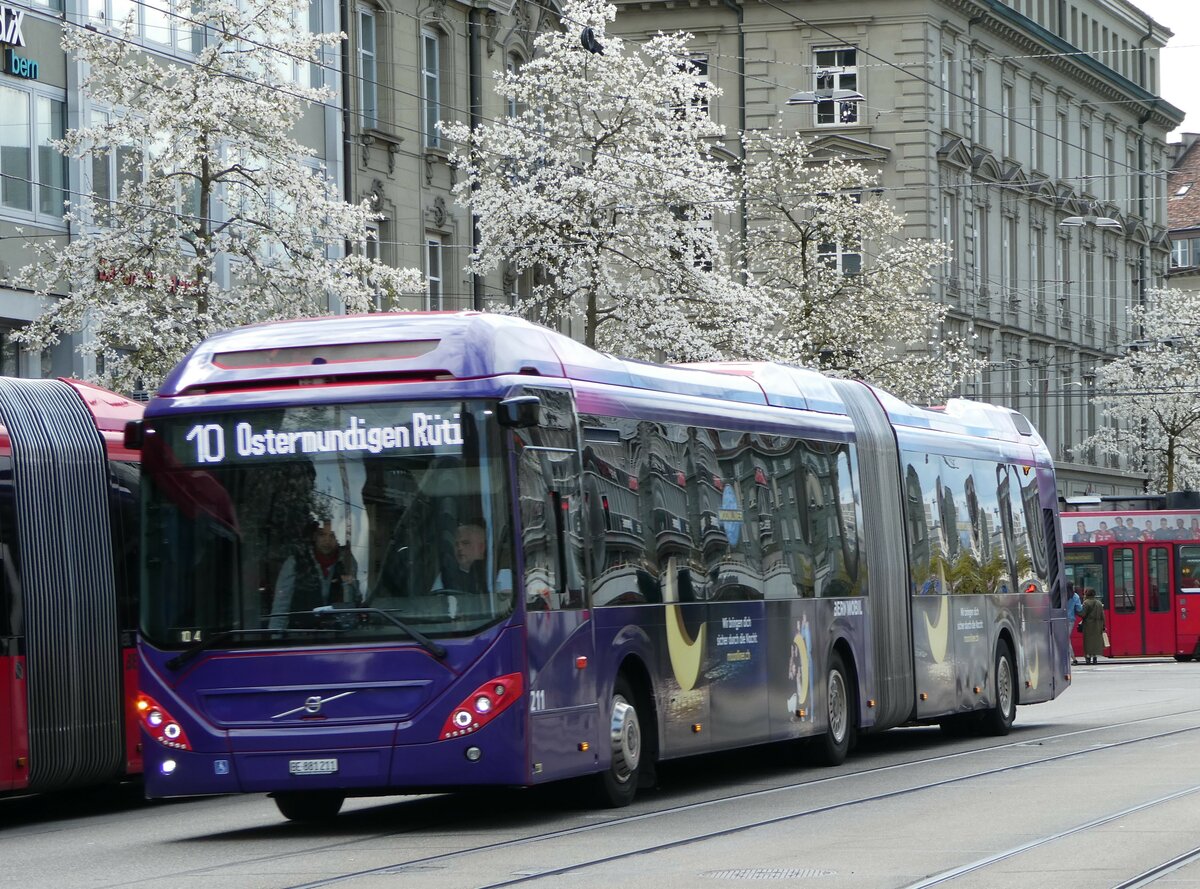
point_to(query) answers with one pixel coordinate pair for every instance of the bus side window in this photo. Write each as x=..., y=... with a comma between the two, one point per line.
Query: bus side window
x=551, y=508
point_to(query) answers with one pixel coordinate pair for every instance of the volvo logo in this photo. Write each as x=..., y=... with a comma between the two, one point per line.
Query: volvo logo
x=312, y=705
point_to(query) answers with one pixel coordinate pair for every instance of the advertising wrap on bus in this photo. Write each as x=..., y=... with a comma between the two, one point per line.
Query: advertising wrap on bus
x=503, y=559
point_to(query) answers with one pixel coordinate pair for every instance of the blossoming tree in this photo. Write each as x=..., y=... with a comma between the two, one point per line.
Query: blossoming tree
x=606, y=182
x=212, y=187
x=852, y=294
x=1150, y=397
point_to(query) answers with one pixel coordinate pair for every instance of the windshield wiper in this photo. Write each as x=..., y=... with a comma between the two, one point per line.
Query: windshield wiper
x=225, y=635
x=424, y=641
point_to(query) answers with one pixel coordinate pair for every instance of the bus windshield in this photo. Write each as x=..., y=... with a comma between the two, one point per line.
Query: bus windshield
x=338, y=523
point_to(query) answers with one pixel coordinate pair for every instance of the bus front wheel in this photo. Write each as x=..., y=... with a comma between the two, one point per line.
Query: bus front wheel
x=833, y=746
x=617, y=785
x=309, y=806
x=998, y=718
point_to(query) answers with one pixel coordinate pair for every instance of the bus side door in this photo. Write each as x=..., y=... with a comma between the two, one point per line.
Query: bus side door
x=1123, y=611
x=1139, y=616
x=563, y=697
x=1187, y=601
x=1158, y=618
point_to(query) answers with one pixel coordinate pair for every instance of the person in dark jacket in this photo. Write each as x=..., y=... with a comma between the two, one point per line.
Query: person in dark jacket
x=318, y=573
x=1093, y=627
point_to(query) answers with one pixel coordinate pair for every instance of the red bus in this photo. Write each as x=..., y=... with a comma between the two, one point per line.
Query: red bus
x=1142, y=557
x=68, y=586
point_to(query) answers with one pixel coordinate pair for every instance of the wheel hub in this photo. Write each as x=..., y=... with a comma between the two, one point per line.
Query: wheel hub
x=626, y=737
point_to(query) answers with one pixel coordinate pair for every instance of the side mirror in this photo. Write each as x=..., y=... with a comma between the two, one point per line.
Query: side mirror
x=520, y=411
x=135, y=432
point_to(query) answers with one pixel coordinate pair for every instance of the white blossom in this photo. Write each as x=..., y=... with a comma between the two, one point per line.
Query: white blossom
x=877, y=322
x=211, y=177
x=607, y=185
x=1150, y=397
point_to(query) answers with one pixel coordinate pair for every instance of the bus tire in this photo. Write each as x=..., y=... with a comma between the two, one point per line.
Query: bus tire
x=1183, y=658
x=835, y=743
x=309, y=806
x=617, y=785
x=998, y=718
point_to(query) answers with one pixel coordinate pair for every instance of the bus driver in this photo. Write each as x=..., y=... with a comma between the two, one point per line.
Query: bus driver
x=470, y=571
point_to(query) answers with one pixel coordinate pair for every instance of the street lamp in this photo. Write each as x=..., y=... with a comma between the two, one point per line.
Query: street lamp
x=1093, y=219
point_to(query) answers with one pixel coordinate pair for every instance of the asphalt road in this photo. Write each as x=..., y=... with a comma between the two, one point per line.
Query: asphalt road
x=1100, y=788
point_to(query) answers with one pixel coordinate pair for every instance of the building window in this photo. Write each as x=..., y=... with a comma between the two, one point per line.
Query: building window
x=368, y=86
x=1060, y=136
x=110, y=171
x=1133, y=205
x=511, y=107
x=1008, y=249
x=948, y=122
x=980, y=236
x=950, y=235
x=431, y=87
x=1110, y=177
x=1035, y=133
x=1185, y=253
x=164, y=24
x=840, y=259
x=33, y=174
x=1110, y=285
x=1006, y=119
x=433, y=273
x=976, y=106
x=11, y=353
x=1036, y=273
x=836, y=69
x=700, y=78
x=1085, y=158
x=1086, y=284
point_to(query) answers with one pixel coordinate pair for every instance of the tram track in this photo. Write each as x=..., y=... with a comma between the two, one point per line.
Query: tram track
x=1154, y=874
x=415, y=865
x=1143, y=879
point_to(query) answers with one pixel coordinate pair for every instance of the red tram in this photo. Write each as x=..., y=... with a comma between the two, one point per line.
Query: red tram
x=68, y=586
x=1142, y=557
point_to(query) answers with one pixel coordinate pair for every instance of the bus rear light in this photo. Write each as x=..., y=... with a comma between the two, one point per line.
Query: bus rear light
x=482, y=706
x=159, y=724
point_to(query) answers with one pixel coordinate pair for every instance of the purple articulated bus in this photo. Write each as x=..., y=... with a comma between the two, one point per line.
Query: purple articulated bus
x=416, y=552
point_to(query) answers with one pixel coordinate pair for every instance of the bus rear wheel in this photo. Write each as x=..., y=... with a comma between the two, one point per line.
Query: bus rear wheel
x=998, y=718
x=833, y=746
x=617, y=785
x=309, y=806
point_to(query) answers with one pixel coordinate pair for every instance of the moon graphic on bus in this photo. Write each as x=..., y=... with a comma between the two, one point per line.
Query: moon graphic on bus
x=803, y=669
x=938, y=633
x=687, y=654
x=1031, y=672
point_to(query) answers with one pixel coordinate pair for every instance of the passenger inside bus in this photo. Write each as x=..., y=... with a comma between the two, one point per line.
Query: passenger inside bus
x=318, y=573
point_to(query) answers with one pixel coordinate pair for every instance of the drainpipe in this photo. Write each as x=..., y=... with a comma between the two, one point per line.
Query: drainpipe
x=475, y=81
x=741, y=31
x=347, y=118
x=1143, y=249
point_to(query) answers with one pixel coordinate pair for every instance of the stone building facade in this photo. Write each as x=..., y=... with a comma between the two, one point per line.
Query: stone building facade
x=404, y=66
x=1183, y=213
x=1028, y=134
